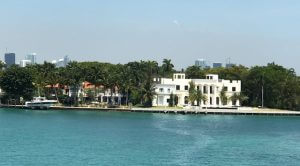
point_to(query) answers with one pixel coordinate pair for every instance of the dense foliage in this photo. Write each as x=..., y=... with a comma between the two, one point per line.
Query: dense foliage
x=134, y=80
x=17, y=83
x=281, y=86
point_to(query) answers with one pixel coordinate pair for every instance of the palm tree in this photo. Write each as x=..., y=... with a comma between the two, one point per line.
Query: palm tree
x=192, y=93
x=73, y=78
x=200, y=97
x=53, y=79
x=167, y=67
x=171, y=100
x=95, y=73
x=238, y=97
x=127, y=83
x=148, y=91
x=223, y=96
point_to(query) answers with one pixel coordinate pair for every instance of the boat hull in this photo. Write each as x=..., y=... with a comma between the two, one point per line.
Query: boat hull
x=39, y=105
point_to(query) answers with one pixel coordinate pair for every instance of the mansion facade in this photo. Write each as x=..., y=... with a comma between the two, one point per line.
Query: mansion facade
x=211, y=87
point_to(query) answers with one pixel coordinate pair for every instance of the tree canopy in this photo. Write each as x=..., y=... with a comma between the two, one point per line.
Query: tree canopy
x=134, y=80
x=17, y=82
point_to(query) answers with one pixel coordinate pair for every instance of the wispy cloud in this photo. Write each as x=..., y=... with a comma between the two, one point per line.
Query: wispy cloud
x=176, y=22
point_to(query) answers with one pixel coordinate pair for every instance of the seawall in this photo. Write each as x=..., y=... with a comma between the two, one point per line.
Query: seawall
x=244, y=111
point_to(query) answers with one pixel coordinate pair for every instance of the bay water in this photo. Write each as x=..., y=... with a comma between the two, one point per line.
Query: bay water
x=31, y=137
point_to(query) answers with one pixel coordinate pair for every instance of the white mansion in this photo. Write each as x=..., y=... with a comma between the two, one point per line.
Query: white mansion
x=211, y=87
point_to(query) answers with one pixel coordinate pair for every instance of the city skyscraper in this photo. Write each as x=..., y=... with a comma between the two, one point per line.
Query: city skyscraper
x=62, y=62
x=31, y=57
x=217, y=64
x=202, y=63
x=10, y=59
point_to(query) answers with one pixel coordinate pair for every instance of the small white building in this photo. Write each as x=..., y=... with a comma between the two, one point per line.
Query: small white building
x=62, y=62
x=210, y=87
x=24, y=63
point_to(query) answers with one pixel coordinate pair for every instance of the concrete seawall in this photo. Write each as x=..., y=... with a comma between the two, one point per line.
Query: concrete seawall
x=243, y=111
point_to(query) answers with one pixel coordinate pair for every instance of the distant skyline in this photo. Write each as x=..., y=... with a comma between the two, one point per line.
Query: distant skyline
x=249, y=32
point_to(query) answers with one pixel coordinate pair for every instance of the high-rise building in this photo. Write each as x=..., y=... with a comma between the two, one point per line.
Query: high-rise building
x=217, y=64
x=62, y=62
x=229, y=65
x=24, y=63
x=31, y=57
x=201, y=63
x=66, y=60
x=10, y=59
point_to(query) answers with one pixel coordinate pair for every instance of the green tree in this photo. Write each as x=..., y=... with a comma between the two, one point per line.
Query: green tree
x=148, y=93
x=172, y=100
x=223, y=96
x=200, y=97
x=95, y=73
x=238, y=97
x=16, y=82
x=195, y=72
x=192, y=93
x=42, y=74
x=126, y=81
x=167, y=68
x=73, y=77
x=278, y=83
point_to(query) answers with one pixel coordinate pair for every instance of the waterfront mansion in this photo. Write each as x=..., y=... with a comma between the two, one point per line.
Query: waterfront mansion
x=211, y=87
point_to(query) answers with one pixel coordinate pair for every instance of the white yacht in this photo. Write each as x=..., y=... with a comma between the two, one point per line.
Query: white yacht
x=40, y=103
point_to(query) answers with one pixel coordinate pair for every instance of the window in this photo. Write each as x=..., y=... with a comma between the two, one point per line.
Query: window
x=104, y=99
x=230, y=81
x=211, y=77
x=186, y=87
x=225, y=88
x=234, y=102
x=218, y=100
x=161, y=89
x=210, y=100
x=177, y=87
x=186, y=100
x=205, y=89
x=169, y=90
x=179, y=76
x=225, y=102
x=168, y=100
x=233, y=89
x=211, y=90
x=198, y=87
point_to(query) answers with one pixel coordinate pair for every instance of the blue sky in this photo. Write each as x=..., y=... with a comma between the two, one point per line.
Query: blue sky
x=249, y=32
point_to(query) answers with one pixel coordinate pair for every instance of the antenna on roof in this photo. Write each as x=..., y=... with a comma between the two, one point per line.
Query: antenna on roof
x=228, y=60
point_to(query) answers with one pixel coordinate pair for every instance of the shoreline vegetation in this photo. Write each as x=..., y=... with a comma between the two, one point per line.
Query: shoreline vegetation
x=134, y=82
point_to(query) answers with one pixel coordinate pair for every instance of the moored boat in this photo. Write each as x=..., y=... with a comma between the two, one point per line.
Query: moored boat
x=40, y=103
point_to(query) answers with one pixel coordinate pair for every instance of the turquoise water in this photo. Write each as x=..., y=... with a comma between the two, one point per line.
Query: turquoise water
x=114, y=138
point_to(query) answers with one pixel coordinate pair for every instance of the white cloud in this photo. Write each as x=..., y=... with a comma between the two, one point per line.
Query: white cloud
x=176, y=22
